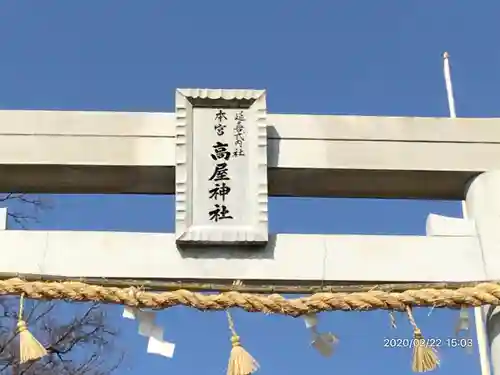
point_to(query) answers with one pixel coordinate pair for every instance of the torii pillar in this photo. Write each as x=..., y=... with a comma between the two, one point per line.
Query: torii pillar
x=483, y=207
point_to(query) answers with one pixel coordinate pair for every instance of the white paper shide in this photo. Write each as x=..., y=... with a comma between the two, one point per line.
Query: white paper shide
x=148, y=328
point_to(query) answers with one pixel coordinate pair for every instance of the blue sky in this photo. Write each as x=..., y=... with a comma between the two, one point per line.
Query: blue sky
x=324, y=57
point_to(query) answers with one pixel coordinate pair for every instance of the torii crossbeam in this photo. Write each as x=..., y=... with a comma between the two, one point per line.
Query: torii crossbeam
x=345, y=156
x=48, y=151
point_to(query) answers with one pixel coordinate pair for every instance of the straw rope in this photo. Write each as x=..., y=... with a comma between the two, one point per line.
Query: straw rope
x=481, y=294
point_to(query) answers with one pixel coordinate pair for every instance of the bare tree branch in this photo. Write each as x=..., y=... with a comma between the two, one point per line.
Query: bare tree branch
x=79, y=344
x=23, y=208
x=79, y=338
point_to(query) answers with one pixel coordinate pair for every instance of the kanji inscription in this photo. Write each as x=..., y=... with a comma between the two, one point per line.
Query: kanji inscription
x=221, y=175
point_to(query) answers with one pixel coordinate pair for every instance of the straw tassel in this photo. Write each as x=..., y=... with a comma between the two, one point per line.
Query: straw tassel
x=424, y=357
x=240, y=361
x=29, y=347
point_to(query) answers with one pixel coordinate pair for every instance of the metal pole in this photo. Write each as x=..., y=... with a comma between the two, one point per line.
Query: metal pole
x=478, y=312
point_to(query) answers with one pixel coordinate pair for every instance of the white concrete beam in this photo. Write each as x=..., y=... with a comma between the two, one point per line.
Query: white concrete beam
x=438, y=225
x=3, y=218
x=287, y=257
x=309, y=155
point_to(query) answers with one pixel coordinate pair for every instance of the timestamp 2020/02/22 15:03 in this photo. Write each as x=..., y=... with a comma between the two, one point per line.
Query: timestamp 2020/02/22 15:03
x=431, y=342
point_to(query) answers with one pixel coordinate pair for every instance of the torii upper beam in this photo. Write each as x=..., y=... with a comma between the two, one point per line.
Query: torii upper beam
x=344, y=156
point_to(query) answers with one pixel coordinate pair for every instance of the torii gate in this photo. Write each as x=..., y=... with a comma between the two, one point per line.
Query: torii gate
x=221, y=198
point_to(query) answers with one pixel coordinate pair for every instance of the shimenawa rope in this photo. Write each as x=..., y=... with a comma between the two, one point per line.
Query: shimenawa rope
x=481, y=294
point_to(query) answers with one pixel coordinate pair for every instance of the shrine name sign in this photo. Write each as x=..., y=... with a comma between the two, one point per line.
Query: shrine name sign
x=221, y=190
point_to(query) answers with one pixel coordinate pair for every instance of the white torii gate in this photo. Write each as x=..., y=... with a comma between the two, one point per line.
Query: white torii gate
x=345, y=156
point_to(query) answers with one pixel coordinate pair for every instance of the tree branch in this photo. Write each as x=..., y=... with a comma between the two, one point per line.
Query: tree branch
x=80, y=345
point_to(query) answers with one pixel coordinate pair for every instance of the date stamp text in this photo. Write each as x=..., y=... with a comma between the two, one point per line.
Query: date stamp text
x=430, y=342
